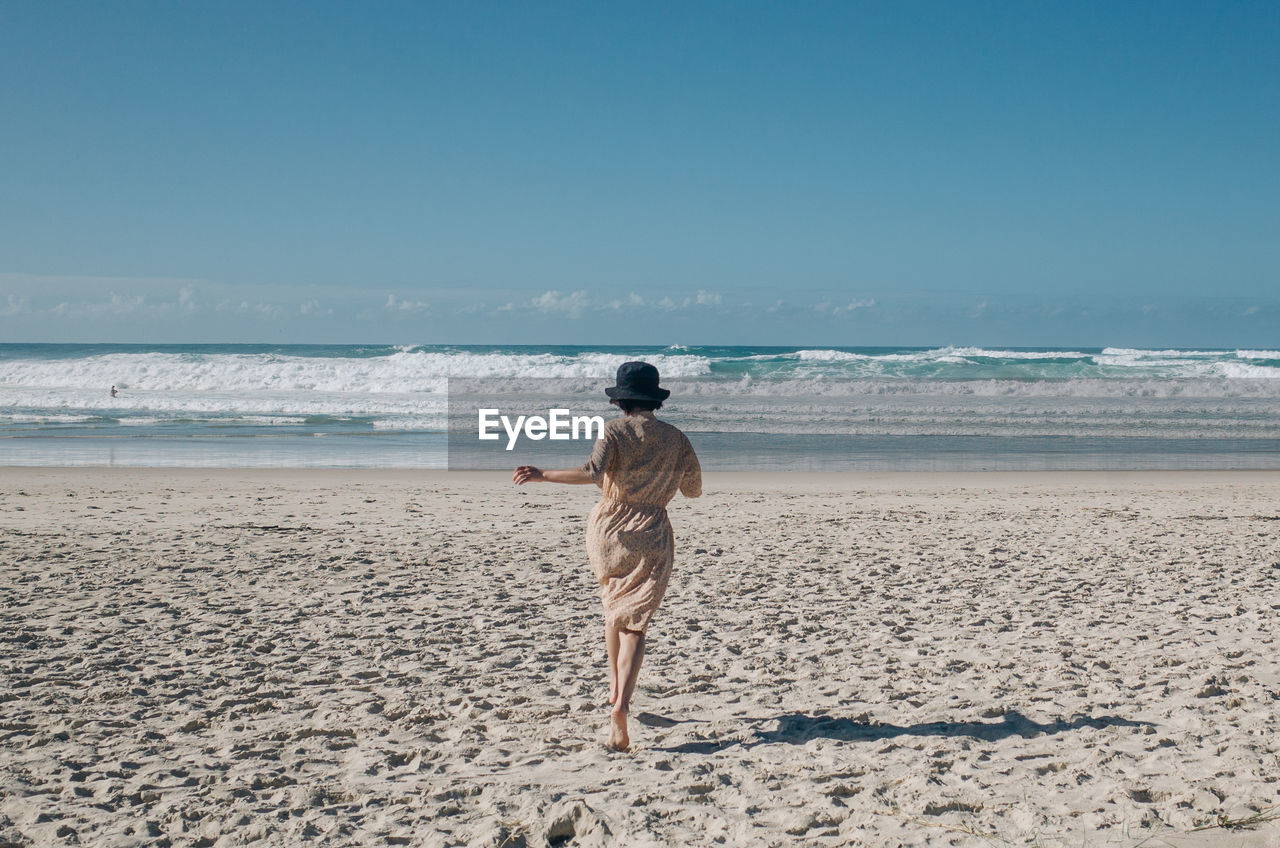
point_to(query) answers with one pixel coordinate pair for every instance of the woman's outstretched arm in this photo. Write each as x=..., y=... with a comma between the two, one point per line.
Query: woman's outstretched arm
x=530, y=474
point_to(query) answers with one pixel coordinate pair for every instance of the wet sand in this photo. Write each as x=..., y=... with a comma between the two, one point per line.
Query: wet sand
x=200, y=657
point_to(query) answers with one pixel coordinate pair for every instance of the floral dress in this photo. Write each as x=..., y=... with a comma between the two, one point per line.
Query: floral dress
x=639, y=464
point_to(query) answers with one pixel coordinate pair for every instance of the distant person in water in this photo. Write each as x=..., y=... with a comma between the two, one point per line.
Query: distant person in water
x=113, y=391
x=639, y=464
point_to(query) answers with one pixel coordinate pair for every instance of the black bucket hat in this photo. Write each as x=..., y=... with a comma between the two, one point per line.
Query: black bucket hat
x=637, y=381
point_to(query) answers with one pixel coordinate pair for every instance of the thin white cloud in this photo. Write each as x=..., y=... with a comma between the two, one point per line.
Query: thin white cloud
x=66, y=283
x=263, y=310
x=16, y=306
x=632, y=301
x=854, y=306
x=553, y=301
x=108, y=300
x=404, y=306
x=118, y=305
x=313, y=307
x=665, y=303
x=251, y=307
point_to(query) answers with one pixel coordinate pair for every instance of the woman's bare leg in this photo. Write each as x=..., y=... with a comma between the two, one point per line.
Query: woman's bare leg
x=630, y=656
x=611, y=646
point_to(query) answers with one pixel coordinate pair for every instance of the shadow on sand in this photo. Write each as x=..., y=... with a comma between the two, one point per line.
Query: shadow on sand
x=799, y=728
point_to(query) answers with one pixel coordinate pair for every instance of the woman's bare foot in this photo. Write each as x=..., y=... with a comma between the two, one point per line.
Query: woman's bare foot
x=613, y=693
x=618, y=738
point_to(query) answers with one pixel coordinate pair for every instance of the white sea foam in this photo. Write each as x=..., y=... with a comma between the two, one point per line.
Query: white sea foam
x=277, y=406
x=825, y=356
x=949, y=354
x=1139, y=353
x=810, y=390
x=248, y=406
x=45, y=418
x=403, y=371
x=411, y=422
x=1245, y=371
x=1075, y=387
x=983, y=353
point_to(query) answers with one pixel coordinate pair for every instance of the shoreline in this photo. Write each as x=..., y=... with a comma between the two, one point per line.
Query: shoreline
x=731, y=478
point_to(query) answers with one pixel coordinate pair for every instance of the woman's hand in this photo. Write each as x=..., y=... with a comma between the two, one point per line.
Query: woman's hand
x=528, y=474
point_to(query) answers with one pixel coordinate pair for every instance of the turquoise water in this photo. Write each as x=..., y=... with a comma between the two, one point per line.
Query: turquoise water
x=746, y=407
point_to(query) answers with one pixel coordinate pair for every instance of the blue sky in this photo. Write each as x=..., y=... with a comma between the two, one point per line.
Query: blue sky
x=807, y=173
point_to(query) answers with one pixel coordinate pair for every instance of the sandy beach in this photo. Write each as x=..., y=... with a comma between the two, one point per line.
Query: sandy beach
x=369, y=658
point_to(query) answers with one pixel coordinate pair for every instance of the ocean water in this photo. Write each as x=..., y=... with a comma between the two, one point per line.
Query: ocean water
x=744, y=407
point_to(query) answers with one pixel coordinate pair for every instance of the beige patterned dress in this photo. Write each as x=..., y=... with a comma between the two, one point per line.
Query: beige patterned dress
x=639, y=464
